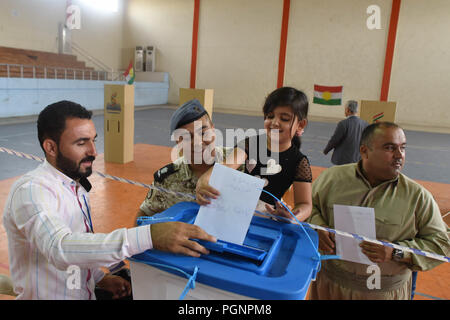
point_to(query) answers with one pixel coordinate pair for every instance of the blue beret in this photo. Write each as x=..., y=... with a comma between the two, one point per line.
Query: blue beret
x=187, y=113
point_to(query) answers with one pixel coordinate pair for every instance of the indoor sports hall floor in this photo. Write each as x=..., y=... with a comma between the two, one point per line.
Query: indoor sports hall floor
x=115, y=204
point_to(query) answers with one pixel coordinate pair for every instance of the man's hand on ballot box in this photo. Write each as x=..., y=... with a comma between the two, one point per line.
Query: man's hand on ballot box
x=174, y=237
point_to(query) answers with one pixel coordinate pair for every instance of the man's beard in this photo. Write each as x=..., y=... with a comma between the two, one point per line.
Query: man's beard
x=71, y=168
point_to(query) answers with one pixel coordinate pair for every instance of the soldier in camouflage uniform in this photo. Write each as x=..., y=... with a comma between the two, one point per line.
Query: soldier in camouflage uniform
x=177, y=176
x=182, y=174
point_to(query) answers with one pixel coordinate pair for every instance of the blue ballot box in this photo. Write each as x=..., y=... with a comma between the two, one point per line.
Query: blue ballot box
x=276, y=261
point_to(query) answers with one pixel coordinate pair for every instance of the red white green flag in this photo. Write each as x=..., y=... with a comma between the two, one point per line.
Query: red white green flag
x=129, y=73
x=327, y=95
x=377, y=117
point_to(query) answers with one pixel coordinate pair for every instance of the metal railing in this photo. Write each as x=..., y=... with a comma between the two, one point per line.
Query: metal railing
x=46, y=72
x=86, y=55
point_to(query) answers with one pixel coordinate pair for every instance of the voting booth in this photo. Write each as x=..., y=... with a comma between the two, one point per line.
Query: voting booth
x=205, y=96
x=377, y=111
x=276, y=261
x=119, y=123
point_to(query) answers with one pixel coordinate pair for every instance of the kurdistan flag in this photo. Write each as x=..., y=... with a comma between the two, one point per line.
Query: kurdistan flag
x=327, y=95
x=129, y=73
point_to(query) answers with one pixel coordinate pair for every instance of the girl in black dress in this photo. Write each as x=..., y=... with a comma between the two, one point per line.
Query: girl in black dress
x=275, y=156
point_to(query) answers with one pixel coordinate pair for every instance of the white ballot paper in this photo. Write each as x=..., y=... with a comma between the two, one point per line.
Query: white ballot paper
x=358, y=220
x=228, y=217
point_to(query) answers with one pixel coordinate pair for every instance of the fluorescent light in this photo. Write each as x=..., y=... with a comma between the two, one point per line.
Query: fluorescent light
x=104, y=5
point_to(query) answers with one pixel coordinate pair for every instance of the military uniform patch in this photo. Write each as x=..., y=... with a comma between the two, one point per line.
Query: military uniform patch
x=164, y=172
x=176, y=176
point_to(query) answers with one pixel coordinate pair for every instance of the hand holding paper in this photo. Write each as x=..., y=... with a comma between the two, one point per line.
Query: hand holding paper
x=204, y=192
x=228, y=217
x=358, y=220
x=376, y=253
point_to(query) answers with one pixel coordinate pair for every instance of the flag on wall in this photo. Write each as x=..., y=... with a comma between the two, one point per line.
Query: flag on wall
x=328, y=95
x=129, y=73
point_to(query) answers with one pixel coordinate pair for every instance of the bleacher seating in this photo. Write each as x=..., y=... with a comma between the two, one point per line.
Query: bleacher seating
x=25, y=63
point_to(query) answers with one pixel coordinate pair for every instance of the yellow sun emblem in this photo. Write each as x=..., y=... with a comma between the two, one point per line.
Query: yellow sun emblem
x=326, y=95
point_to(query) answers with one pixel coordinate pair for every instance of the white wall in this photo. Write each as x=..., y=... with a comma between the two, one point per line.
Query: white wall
x=101, y=34
x=420, y=80
x=238, y=51
x=22, y=24
x=328, y=44
x=166, y=24
x=33, y=24
x=238, y=47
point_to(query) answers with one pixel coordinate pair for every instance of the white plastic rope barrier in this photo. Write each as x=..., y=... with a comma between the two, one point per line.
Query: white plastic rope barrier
x=180, y=194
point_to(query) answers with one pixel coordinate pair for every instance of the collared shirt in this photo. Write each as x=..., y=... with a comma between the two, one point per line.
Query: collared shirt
x=53, y=253
x=405, y=213
x=177, y=176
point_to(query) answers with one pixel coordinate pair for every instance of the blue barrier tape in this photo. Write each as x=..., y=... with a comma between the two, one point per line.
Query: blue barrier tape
x=329, y=257
x=316, y=249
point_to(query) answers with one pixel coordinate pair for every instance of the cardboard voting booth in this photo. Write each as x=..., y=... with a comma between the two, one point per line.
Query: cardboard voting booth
x=119, y=123
x=205, y=96
x=276, y=261
x=377, y=111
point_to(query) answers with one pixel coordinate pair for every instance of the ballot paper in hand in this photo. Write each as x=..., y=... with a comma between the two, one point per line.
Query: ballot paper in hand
x=228, y=217
x=358, y=220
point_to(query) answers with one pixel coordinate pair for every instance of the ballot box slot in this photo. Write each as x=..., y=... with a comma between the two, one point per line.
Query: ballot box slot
x=256, y=254
x=237, y=251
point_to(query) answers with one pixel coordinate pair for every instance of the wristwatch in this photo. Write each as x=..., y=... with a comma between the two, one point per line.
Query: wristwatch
x=397, y=254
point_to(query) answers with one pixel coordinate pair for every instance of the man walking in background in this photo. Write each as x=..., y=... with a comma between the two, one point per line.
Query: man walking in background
x=345, y=140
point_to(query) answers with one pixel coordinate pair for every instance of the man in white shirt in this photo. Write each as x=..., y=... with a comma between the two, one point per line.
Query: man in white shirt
x=48, y=222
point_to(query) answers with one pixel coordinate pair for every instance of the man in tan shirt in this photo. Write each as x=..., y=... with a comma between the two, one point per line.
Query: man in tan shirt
x=405, y=213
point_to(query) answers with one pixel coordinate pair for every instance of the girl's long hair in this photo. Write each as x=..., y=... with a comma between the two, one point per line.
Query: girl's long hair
x=288, y=97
